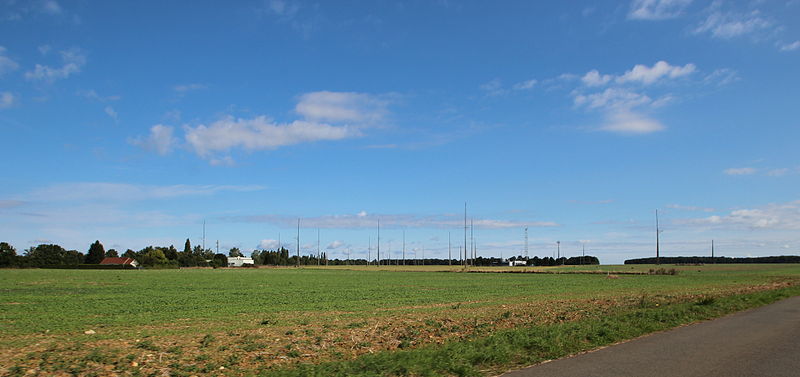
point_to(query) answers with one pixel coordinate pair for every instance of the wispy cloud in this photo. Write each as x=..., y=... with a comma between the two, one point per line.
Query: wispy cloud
x=183, y=88
x=124, y=192
x=7, y=99
x=367, y=221
x=789, y=46
x=92, y=95
x=73, y=60
x=729, y=24
x=160, y=140
x=657, y=9
x=775, y=216
x=740, y=171
x=690, y=208
x=6, y=63
x=111, y=113
x=342, y=107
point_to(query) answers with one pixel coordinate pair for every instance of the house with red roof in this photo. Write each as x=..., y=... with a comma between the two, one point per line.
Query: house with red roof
x=120, y=261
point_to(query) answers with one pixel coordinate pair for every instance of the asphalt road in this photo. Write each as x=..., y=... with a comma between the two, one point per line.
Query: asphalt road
x=759, y=342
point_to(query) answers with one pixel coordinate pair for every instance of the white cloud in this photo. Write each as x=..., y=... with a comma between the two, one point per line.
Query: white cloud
x=111, y=112
x=778, y=172
x=790, y=46
x=594, y=78
x=335, y=245
x=493, y=88
x=160, y=140
x=784, y=216
x=222, y=161
x=92, y=95
x=44, y=49
x=268, y=244
x=523, y=85
x=73, y=60
x=728, y=25
x=690, y=208
x=7, y=99
x=722, y=76
x=648, y=75
x=6, y=64
x=106, y=191
x=359, y=221
x=657, y=9
x=183, y=88
x=347, y=107
x=618, y=98
x=260, y=133
x=740, y=171
x=626, y=122
x=51, y=7
x=282, y=8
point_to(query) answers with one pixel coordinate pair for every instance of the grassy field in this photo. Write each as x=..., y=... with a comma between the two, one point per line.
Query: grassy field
x=261, y=321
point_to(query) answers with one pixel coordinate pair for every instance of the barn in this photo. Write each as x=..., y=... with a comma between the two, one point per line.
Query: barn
x=240, y=261
x=120, y=261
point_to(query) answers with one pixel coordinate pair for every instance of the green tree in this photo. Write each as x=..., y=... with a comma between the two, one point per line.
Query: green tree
x=112, y=253
x=8, y=255
x=153, y=257
x=171, y=253
x=96, y=253
x=219, y=260
x=235, y=252
x=187, y=247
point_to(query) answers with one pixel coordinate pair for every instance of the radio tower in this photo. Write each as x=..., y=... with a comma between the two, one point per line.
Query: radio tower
x=526, y=242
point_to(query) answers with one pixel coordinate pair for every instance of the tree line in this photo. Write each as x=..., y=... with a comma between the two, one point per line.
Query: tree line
x=712, y=260
x=55, y=256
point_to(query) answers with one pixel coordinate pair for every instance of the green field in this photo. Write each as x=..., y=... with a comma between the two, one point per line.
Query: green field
x=248, y=321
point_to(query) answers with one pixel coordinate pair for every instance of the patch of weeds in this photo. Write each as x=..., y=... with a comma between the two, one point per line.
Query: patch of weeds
x=364, y=344
x=355, y=325
x=97, y=356
x=309, y=332
x=250, y=347
x=456, y=306
x=233, y=359
x=268, y=322
x=147, y=344
x=222, y=348
x=304, y=322
x=293, y=353
x=177, y=350
x=202, y=357
x=506, y=315
x=207, y=340
x=130, y=357
x=707, y=300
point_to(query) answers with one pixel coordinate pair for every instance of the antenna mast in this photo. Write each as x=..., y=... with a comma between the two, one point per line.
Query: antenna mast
x=465, y=234
x=526, y=242
x=298, y=242
x=379, y=242
x=204, y=235
x=318, y=254
x=404, y=247
x=658, y=252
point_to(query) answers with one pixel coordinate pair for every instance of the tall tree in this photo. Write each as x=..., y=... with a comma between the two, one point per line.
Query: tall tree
x=96, y=253
x=187, y=247
x=112, y=253
x=8, y=255
x=235, y=252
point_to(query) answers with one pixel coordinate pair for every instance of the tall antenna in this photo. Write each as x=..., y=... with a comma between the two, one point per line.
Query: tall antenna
x=465, y=234
x=526, y=242
x=658, y=252
x=389, y=259
x=472, y=239
x=298, y=242
x=319, y=256
x=279, y=243
x=379, y=242
x=558, y=247
x=712, y=251
x=217, y=246
x=369, y=251
x=204, y=235
x=583, y=251
x=404, y=247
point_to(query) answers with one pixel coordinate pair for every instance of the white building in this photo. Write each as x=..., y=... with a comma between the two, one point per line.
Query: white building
x=517, y=263
x=240, y=261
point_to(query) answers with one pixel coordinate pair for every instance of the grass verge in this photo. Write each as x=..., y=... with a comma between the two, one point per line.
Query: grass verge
x=508, y=349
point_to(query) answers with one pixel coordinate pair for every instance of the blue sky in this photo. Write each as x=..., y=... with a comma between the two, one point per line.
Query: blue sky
x=133, y=122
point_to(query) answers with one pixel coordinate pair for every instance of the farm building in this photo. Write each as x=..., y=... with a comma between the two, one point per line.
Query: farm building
x=240, y=261
x=120, y=261
x=513, y=263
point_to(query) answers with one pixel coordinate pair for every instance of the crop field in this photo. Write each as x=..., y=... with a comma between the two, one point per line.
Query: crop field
x=272, y=320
